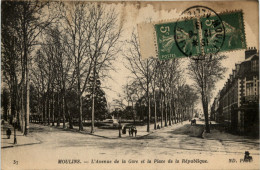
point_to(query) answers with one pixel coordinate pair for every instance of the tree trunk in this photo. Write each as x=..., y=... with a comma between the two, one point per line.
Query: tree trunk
x=63, y=111
x=38, y=104
x=68, y=113
x=133, y=111
x=161, y=111
x=27, y=115
x=182, y=115
x=93, y=99
x=46, y=110
x=12, y=104
x=155, y=111
x=58, y=110
x=148, y=97
x=174, y=113
x=24, y=72
x=79, y=98
x=149, y=115
x=49, y=109
x=170, y=116
x=53, y=117
x=16, y=107
x=15, y=140
x=149, y=109
x=43, y=110
x=93, y=110
x=166, y=109
x=80, y=113
x=192, y=113
x=205, y=110
x=21, y=116
x=178, y=115
x=70, y=120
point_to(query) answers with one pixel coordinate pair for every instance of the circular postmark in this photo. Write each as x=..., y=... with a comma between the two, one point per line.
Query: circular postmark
x=199, y=32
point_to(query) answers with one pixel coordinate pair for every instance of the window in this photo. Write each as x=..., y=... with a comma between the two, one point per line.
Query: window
x=255, y=65
x=249, y=89
x=257, y=89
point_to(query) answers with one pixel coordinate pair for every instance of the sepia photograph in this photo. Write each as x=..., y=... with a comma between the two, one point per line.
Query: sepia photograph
x=129, y=84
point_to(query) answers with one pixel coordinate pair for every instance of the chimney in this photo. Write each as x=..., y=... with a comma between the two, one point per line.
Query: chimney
x=237, y=67
x=234, y=73
x=250, y=51
x=231, y=77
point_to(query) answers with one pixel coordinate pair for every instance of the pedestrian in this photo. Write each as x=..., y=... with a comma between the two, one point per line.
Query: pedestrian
x=247, y=158
x=135, y=130
x=132, y=130
x=8, y=133
x=129, y=131
x=11, y=120
x=158, y=126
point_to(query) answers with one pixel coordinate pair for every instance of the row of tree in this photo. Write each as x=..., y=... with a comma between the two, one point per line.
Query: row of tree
x=60, y=49
x=157, y=86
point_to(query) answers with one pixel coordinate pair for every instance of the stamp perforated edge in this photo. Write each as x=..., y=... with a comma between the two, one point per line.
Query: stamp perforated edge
x=155, y=42
x=243, y=29
x=184, y=18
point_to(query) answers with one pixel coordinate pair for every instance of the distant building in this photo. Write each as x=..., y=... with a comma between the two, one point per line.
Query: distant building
x=214, y=114
x=236, y=105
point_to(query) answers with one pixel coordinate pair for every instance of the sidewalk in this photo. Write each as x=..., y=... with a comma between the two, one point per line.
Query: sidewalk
x=225, y=136
x=103, y=133
x=233, y=143
x=21, y=139
x=110, y=133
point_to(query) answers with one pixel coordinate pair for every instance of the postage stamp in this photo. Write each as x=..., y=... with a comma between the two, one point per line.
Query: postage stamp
x=198, y=32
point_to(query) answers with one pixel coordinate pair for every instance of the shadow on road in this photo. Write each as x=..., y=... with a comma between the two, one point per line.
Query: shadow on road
x=148, y=137
x=193, y=131
x=37, y=129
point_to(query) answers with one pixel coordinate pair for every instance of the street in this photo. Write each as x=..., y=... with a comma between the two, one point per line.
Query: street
x=173, y=142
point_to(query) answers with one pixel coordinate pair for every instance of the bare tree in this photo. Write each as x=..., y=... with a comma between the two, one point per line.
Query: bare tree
x=155, y=84
x=131, y=95
x=39, y=80
x=173, y=71
x=206, y=73
x=10, y=55
x=141, y=69
x=187, y=100
x=29, y=21
x=76, y=39
x=104, y=44
x=92, y=35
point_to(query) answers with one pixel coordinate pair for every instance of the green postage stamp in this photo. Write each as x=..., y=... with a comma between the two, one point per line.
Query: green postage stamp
x=199, y=32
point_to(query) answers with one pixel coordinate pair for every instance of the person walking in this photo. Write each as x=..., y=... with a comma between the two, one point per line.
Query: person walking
x=8, y=133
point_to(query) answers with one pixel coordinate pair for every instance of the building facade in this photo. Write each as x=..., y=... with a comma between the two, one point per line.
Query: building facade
x=237, y=103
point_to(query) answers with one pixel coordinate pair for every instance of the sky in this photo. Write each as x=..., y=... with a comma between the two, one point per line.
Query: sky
x=134, y=13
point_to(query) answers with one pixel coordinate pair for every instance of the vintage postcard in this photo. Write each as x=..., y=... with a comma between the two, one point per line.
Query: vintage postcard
x=129, y=85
